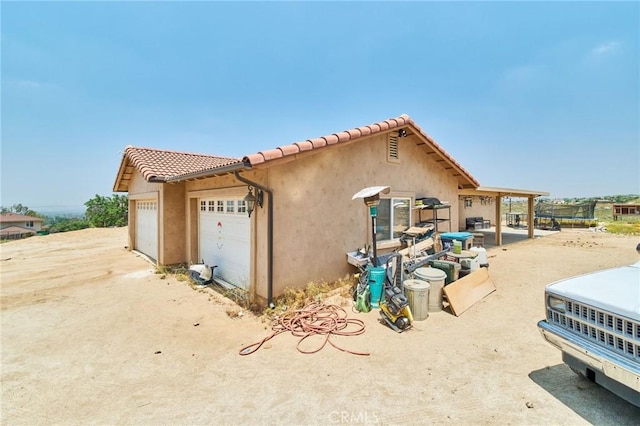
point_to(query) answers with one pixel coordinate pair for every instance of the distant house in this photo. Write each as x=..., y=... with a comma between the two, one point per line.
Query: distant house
x=622, y=211
x=284, y=217
x=14, y=226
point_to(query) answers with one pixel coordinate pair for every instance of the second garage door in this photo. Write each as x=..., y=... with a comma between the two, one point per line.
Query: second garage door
x=146, y=230
x=224, y=238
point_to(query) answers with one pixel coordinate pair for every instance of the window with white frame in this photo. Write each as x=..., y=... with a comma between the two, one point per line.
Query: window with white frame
x=29, y=224
x=231, y=204
x=203, y=206
x=220, y=206
x=242, y=207
x=394, y=217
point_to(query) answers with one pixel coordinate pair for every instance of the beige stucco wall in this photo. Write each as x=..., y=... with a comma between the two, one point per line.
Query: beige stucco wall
x=317, y=222
x=486, y=210
x=172, y=224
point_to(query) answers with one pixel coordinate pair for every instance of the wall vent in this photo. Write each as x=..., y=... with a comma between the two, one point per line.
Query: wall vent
x=393, y=155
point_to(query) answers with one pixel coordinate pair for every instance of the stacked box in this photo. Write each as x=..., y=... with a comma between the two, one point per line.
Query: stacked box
x=452, y=269
x=478, y=239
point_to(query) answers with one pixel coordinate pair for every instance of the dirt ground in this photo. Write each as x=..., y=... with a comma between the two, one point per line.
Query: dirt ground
x=91, y=335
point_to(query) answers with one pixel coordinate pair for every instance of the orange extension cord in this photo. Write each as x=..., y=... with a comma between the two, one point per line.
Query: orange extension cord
x=313, y=319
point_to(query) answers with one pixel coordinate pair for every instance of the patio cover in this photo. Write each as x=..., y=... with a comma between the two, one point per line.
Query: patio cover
x=498, y=193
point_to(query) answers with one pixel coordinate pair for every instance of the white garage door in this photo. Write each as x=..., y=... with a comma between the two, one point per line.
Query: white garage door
x=147, y=228
x=224, y=238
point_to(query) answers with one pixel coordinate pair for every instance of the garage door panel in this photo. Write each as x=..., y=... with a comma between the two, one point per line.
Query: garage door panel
x=224, y=239
x=146, y=231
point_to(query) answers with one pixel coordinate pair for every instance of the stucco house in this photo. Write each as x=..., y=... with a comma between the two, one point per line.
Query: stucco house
x=15, y=226
x=192, y=208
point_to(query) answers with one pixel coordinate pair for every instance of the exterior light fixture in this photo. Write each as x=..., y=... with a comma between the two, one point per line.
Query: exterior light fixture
x=251, y=200
x=402, y=133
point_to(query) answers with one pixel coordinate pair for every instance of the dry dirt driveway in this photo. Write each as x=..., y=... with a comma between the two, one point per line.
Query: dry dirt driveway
x=91, y=335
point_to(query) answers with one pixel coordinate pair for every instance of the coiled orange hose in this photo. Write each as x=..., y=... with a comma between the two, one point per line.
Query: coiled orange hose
x=313, y=319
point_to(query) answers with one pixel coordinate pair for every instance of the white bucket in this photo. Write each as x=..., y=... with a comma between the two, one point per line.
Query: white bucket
x=436, y=278
x=471, y=264
x=417, y=292
x=482, y=255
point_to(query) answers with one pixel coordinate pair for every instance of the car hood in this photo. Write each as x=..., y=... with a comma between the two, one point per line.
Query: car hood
x=616, y=290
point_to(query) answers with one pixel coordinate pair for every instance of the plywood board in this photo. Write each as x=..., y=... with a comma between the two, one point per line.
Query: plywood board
x=465, y=292
x=425, y=244
x=417, y=230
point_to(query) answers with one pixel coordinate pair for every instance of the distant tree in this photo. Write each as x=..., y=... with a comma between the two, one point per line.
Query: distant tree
x=621, y=199
x=64, y=224
x=104, y=212
x=20, y=209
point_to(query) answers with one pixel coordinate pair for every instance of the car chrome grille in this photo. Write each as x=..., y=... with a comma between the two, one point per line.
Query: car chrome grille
x=607, y=330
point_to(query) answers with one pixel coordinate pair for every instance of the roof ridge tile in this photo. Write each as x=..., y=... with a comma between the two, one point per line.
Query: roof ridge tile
x=331, y=139
x=343, y=136
x=304, y=145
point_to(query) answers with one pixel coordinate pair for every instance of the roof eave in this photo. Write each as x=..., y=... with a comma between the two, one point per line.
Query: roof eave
x=465, y=179
x=229, y=168
x=503, y=192
x=118, y=186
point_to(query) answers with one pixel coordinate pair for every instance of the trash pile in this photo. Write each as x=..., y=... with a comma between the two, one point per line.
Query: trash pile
x=432, y=272
x=420, y=277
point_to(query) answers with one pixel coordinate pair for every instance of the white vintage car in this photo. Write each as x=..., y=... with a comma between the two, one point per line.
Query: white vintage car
x=594, y=319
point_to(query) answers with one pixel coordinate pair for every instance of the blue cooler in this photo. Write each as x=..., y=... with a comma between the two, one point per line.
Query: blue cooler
x=447, y=239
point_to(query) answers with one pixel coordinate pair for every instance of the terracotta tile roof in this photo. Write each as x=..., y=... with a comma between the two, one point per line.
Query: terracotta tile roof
x=157, y=165
x=15, y=217
x=262, y=157
x=170, y=166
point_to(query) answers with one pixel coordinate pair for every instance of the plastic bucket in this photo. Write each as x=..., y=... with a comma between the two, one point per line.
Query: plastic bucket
x=471, y=264
x=457, y=246
x=435, y=278
x=376, y=282
x=417, y=292
x=482, y=255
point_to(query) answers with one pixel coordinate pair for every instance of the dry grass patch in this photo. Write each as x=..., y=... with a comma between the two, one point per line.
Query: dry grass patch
x=180, y=272
x=629, y=227
x=339, y=292
x=336, y=292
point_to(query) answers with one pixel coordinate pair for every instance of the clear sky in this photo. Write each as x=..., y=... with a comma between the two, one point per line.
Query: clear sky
x=537, y=95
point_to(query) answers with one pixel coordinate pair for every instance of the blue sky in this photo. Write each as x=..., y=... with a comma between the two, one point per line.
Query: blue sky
x=535, y=95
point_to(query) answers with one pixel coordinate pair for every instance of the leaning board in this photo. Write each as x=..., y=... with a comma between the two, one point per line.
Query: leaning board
x=465, y=292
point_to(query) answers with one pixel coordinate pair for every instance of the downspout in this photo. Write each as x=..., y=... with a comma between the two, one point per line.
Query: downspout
x=269, y=236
